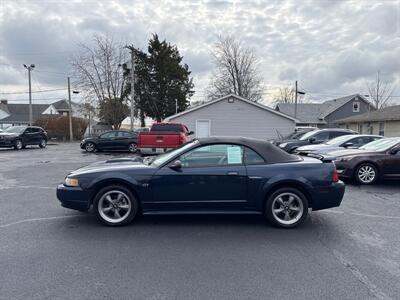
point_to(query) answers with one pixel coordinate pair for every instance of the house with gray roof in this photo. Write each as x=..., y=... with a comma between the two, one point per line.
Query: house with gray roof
x=385, y=121
x=325, y=114
x=12, y=114
x=233, y=115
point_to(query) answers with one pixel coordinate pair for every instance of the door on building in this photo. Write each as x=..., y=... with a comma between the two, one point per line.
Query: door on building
x=202, y=128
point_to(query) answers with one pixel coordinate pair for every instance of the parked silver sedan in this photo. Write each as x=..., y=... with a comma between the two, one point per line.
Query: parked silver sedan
x=339, y=143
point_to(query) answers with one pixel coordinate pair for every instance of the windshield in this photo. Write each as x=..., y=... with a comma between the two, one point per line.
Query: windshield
x=381, y=145
x=308, y=135
x=339, y=139
x=163, y=158
x=15, y=129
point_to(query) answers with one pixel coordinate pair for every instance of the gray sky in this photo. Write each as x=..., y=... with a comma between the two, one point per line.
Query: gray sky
x=330, y=47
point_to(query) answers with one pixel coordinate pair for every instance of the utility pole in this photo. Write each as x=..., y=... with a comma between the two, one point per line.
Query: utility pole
x=132, y=73
x=295, y=101
x=71, y=135
x=30, y=68
x=176, y=106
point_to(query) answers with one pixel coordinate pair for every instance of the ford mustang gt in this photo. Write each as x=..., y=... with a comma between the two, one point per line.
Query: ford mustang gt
x=210, y=175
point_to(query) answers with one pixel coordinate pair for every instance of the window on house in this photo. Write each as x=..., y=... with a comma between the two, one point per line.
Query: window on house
x=381, y=128
x=356, y=106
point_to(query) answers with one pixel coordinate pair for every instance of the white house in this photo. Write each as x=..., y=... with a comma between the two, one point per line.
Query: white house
x=232, y=115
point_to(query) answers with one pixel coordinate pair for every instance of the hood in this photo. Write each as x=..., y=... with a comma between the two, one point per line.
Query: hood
x=115, y=164
x=9, y=134
x=351, y=152
x=315, y=147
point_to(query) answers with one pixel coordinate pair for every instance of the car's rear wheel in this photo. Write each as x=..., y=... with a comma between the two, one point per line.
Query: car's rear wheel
x=115, y=205
x=286, y=207
x=366, y=173
x=42, y=143
x=90, y=147
x=132, y=147
x=18, y=145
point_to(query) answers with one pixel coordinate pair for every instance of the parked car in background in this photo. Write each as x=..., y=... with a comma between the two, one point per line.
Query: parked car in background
x=18, y=137
x=295, y=135
x=210, y=175
x=111, y=141
x=141, y=129
x=163, y=137
x=377, y=160
x=342, y=142
x=314, y=137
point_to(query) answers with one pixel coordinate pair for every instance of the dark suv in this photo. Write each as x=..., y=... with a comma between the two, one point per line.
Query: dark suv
x=19, y=137
x=313, y=137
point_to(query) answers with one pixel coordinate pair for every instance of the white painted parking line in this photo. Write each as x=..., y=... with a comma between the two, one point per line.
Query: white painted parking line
x=38, y=219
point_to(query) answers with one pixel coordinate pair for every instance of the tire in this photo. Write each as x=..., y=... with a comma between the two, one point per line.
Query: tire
x=43, y=143
x=366, y=173
x=132, y=147
x=18, y=145
x=115, y=205
x=281, y=213
x=90, y=147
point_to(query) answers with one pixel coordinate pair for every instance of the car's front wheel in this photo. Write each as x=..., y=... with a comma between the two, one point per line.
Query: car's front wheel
x=18, y=145
x=366, y=173
x=286, y=207
x=90, y=147
x=115, y=205
x=42, y=143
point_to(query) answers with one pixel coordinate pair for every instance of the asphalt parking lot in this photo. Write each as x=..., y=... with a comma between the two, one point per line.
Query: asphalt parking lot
x=49, y=252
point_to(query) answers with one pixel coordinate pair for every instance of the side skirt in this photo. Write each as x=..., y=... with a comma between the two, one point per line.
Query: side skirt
x=202, y=212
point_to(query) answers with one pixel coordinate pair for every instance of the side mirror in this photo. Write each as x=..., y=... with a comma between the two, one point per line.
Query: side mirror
x=190, y=132
x=395, y=150
x=348, y=144
x=312, y=140
x=177, y=164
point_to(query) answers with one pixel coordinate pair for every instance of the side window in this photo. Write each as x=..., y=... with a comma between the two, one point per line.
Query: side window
x=322, y=136
x=108, y=135
x=123, y=134
x=252, y=158
x=213, y=156
x=35, y=130
x=337, y=133
x=29, y=130
x=360, y=141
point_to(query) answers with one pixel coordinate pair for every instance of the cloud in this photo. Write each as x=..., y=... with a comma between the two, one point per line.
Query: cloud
x=328, y=46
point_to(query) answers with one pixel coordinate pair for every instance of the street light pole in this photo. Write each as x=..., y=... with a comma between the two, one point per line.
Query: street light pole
x=30, y=68
x=71, y=135
x=132, y=86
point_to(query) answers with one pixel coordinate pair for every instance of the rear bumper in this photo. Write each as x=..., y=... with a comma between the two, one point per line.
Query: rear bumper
x=146, y=150
x=328, y=197
x=73, y=197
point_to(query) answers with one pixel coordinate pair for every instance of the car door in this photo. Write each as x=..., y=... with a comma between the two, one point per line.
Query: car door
x=211, y=177
x=391, y=163
x=120, y=141
x=28, y=137
x=106, y=140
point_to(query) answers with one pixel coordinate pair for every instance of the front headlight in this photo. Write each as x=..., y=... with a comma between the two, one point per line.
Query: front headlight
x=283, y=145
x=344, y=158
x=69, y=181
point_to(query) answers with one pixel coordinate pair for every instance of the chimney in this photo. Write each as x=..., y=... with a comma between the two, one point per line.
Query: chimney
x=3, y=101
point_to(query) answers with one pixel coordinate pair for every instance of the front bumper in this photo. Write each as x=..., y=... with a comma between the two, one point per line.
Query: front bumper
x=73, y=197
x=6, y=143
x=327, y=197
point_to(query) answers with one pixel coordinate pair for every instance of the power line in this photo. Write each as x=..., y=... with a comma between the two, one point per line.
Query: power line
x=40, y=91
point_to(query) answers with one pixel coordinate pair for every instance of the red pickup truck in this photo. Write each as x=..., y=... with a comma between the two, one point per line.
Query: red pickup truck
x=163, y=137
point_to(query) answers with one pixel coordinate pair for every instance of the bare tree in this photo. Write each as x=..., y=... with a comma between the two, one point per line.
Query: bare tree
x=286, y=95
x=236, y=71
x=380, y=91
x=99, y=75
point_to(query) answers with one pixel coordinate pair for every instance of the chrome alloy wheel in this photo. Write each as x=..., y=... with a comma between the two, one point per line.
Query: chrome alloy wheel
x=132, y=147
x=89, y=147
x=366, y=174
x=287, y=208
x=114, y=206
x=18, y=145
x=42, y=143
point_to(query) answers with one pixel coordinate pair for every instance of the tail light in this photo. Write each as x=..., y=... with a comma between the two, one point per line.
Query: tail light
x=335, y=175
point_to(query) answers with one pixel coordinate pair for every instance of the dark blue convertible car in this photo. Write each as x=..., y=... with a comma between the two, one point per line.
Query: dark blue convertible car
x=211, y=175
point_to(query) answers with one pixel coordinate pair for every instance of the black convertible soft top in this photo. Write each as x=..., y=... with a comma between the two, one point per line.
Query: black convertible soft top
x=270, y=152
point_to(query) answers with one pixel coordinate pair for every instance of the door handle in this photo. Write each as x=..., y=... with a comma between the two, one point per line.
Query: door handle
x=232, y=173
